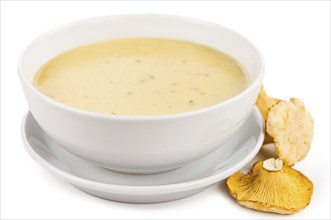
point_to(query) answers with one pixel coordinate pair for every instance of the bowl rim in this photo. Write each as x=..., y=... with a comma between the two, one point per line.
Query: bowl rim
x=86, y=113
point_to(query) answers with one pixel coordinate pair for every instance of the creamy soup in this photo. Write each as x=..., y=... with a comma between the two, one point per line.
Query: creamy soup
x=141, y=76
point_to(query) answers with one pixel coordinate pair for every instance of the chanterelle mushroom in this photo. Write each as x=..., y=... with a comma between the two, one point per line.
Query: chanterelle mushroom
x=271, y=187
x=265, y=103
x=291, y=126
x=288, y=124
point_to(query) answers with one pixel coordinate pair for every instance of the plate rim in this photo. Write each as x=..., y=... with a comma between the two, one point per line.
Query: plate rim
x=159, y=189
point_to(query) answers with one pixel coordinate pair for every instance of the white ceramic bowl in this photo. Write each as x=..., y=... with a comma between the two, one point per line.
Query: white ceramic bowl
x=140, y=144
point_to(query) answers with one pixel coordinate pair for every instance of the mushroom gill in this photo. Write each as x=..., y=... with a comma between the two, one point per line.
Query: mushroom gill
x=271, y=187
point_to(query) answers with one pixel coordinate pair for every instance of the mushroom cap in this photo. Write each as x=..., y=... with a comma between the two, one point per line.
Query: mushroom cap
x=283, y=190
x=265, y=103
x=291, y=126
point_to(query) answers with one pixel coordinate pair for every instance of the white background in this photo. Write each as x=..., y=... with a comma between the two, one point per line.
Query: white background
x=294, y=38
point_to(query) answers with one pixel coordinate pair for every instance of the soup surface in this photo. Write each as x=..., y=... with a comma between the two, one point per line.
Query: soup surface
x=141, y=76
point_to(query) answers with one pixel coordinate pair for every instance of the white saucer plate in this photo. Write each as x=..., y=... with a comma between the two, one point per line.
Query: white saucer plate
x=179, y=183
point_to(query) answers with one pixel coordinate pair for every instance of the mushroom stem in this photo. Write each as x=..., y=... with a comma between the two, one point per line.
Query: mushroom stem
x=273, y=164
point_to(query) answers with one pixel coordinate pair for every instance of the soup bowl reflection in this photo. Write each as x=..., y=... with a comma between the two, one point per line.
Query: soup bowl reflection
x=140, y=144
